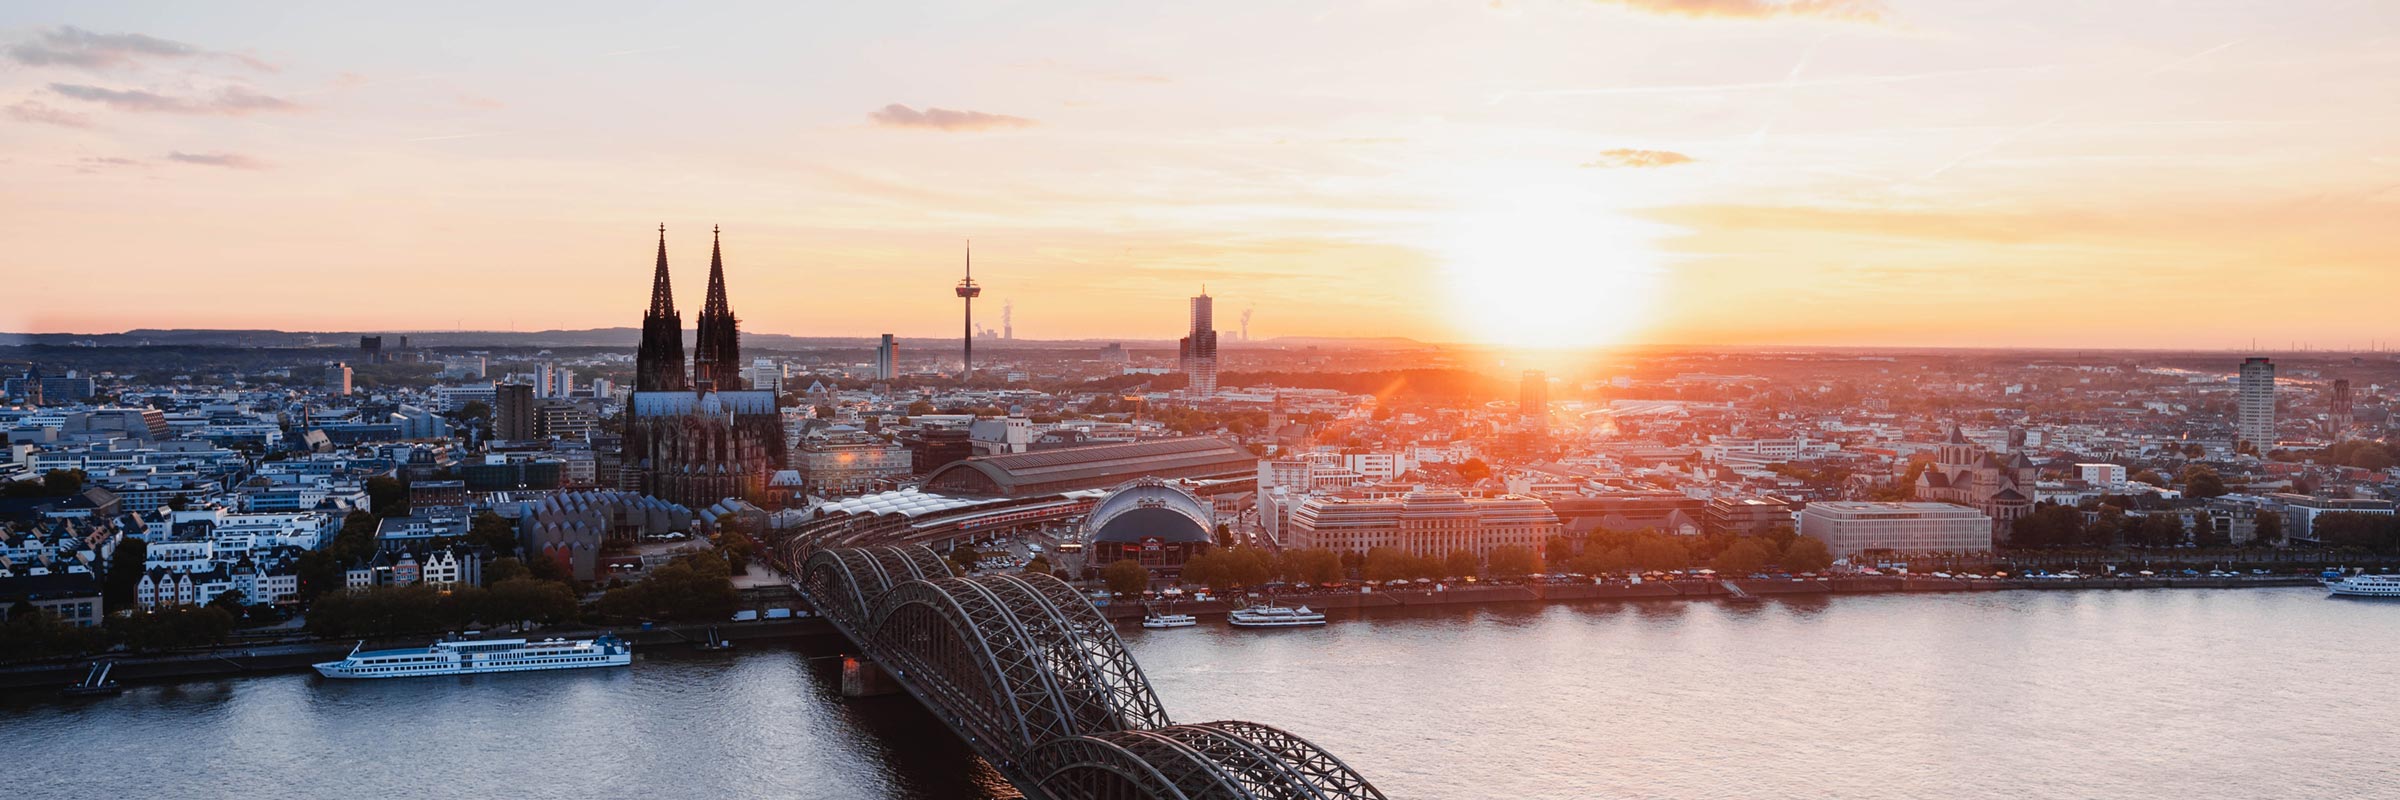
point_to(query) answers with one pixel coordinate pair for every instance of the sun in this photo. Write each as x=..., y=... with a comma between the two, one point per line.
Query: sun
x=1548, y=267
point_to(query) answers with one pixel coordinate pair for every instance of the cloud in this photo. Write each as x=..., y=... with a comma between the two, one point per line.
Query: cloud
x=35, y=111
x=232, y=101
x=233, y=160
x=1849, y=10
x=900, y=116
x=1626, y=157
x=71, y=46
x=90, y=165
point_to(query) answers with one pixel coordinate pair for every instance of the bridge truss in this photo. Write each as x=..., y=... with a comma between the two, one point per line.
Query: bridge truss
x=1026, y=670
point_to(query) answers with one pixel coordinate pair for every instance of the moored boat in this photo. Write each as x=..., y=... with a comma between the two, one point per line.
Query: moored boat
x=475, y=657
x=1158, y=621
x=2365, y=586
x=1275, y=617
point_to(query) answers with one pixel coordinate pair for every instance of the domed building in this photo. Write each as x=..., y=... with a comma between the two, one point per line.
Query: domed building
x=1151, y=521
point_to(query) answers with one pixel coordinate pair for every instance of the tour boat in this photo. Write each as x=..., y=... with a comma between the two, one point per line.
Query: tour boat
x=1275, y=617
x=2366, y=586
x=1169, y=621
x=474, y=657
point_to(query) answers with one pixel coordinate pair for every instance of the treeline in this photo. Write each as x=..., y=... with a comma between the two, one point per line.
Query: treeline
x=1610, y=552
x=419, y=608
x=29, y=635
x=692, y=588
x=2378, y=533
x=2053, y=526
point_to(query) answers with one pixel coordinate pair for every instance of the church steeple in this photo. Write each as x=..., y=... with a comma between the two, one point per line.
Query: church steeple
x=717, y=357
x=658, y=365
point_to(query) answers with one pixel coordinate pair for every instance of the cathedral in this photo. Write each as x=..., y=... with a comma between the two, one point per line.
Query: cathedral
x=697, y=437
x=1964, y=473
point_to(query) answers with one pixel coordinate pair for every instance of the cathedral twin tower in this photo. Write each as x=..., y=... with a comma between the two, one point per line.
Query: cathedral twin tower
x=700, y=437
x=716, y=357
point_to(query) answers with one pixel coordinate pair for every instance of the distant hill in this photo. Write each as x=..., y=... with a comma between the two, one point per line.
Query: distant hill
x=625, y=338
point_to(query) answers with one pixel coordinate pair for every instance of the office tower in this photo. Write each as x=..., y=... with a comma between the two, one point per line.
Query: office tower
x=562, y=382
x=337, y=379
x=1533, y=400
x=2337, y=418
x=658, y=366
x=512, y=412
x=602, y=388
x=967, y=292
x=543, y=381
x=717, y=357
x=887, y=359
x=370, y=349
x=1008, y=319
x=1199, y=348
x=2256, y=424
x=765, y=374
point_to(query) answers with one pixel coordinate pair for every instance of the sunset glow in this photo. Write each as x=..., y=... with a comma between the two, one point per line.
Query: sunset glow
x=1563, y=173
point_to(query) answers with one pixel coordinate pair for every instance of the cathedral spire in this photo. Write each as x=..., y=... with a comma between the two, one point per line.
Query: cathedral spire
x=716, y=275
x=716, y=356
x=662, y=292
x=658, y=365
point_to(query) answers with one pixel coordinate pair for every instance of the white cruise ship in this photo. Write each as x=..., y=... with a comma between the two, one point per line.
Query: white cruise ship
x=1274, y=617
x=2366, y=586
x=486, y=655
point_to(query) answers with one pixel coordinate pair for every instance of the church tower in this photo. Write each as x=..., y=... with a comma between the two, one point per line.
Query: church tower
x=717, y=356
x=658, y=366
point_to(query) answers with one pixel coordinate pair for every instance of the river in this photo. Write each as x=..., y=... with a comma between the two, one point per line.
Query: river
x=2025, y=694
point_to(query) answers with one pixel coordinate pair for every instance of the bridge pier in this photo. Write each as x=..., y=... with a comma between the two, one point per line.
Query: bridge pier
x=863, y=678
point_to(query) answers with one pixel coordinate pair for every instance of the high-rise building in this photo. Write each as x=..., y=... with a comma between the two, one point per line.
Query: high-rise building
x=716, y=357
x=545, y=381
x=1199, y=348
x=1533, y=400
x=765, y=374
x=337, y=378
x=967, y=292
x=2256, y=424
x=512, y=412
x=659, y=363
x=2338, y=418
x=887, y=359
x=370, y=349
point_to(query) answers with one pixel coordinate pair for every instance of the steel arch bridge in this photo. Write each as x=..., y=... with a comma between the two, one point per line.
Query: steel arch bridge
x=1038, y=683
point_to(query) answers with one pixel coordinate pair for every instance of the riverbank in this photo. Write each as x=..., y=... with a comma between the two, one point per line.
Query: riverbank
x=1710, y=590
x=293, y=656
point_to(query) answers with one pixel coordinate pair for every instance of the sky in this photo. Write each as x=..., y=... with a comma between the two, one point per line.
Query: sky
x=2057, y=173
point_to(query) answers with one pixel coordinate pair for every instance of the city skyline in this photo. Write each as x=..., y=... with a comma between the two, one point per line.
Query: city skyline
x=1584, y=174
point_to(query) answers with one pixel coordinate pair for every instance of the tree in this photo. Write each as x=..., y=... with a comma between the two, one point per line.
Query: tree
x=1389, y=564
x=232, y=600
x=125, y=568
x=2050, y=525
x=387, y=496
x=1125, y=576
x=1743, y=557
x=1806, y=554
x=2205, y=532
x=825, y=412
x=505, y=568
x=493, y=531
x=2201, y=483
x=475, y=410
x=1474, y=469
x=1037, y=565
x=2269, y=528
x=920, y=408
x=519, y=599
x=1461, y=564
x=1513, y=562
x=2149, y=476
x=1313, y=565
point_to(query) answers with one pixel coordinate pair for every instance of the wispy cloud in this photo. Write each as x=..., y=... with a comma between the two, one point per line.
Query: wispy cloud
x=1850, y=10
x=1626, y=157
x=232, y=160
x=71, y=46
x=36, y=112
x=90, y=165
x=230, y=101
x=900, y=116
